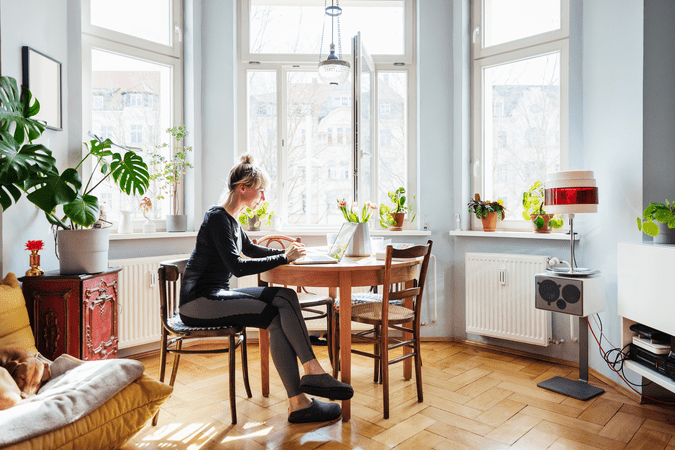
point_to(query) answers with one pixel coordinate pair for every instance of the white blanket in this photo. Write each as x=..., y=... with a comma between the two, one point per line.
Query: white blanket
x=75, y=389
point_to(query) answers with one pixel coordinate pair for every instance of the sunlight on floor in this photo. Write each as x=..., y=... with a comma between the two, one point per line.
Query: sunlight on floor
x=175, y=435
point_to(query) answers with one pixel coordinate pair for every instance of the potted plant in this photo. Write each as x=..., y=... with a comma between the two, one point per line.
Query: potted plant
x=360, y=243
x=68, y=203
x=392, y=216
x=168, y=174
x=489, y=212
x=533, y=210
x=658, y=221
x=253, y=218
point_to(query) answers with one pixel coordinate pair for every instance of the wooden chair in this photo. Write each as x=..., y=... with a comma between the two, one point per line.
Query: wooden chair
x=318, y=306
x=174, y=331
x=384, y=312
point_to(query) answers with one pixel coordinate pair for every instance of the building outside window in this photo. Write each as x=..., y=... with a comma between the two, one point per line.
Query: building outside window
x=136, y=134
x=520, y=97
x=309, y=155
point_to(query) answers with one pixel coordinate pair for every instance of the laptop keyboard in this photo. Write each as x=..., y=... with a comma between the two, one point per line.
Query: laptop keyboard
x=318, y=257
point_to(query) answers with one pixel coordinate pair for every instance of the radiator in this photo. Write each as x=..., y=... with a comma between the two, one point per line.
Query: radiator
x=138, y=300
x=500, y=291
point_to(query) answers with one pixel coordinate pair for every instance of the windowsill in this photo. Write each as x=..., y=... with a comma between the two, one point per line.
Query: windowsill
x=157, y=235
x=514, y=235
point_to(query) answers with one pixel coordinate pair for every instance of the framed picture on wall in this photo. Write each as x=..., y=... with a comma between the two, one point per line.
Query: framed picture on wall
x=42, y=75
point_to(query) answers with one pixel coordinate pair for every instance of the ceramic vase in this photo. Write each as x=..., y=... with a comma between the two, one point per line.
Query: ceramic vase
x=360, y=243
x=126, y=225
x=253, y=223
x=149, y=226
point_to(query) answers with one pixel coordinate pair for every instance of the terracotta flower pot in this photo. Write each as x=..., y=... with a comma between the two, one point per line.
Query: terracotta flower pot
x=541, y=226
x=490, y=221
x=398, y=218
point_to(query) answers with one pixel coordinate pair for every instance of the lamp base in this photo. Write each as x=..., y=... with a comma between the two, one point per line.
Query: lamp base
x=578, y=389
x=578, y=271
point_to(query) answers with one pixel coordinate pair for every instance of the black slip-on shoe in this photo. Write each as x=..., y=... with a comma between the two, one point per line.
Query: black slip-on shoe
x=317, y=412
x=324, y=385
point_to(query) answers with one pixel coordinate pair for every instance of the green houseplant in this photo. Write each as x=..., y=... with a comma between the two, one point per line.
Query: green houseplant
x=658, y=213
x=533, y=210
x=253, y=218
x=392, y=216
x=490, y=212
x=168, y=173
x=68, y=203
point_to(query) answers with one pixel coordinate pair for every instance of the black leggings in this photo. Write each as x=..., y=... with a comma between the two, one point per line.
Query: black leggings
x=275, y=309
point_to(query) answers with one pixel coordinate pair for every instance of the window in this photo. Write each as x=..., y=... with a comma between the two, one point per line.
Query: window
x=132, y=83
x=519, y=64
x=309, y=154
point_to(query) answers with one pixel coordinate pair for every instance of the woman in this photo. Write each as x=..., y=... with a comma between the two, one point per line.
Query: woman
x=207, y=300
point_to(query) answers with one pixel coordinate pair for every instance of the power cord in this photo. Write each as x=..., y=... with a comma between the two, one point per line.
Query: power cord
x=621, y=357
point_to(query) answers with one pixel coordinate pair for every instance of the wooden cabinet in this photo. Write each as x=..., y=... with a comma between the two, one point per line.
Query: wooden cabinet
x=74, y=314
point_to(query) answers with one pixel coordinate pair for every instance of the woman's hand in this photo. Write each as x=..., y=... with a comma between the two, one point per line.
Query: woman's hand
x=295, y=251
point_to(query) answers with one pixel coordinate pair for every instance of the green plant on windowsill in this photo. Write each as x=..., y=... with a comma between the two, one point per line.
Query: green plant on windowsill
x=533, y=209
x=657, y=212
x=168, y=172
x=27, y=168
x=482, y=208
x=399, y=199
x=253, y=218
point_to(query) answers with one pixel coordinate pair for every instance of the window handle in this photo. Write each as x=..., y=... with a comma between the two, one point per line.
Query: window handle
x=476, y=32
x=476, y=165
x=178, y=31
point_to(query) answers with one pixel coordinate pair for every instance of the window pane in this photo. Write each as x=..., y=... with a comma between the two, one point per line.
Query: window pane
x=133, y=108
x=318, y=149
x=521, y=127
x=147, y=19
x=509, y=20
x=278, y=28
x=262, y=126
x=392, y=153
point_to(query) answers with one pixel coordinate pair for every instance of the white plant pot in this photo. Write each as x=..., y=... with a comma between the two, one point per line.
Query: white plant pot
x=176, y=222
x=360, y=243
x=666, y=235
x=83, y=251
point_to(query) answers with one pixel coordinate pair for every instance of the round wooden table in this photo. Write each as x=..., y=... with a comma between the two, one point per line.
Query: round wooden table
x=338, y=278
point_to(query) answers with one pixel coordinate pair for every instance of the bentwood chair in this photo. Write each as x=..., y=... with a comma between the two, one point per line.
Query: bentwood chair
x=175, y=332
x=385, y=312
x=318, y=306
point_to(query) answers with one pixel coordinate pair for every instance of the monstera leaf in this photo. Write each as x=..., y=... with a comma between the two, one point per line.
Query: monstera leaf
x=53, y=189
x=83, y=210
x=17, y=109
x=130, y=173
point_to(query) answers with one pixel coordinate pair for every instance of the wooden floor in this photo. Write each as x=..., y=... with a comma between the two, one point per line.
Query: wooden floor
x=474, y=398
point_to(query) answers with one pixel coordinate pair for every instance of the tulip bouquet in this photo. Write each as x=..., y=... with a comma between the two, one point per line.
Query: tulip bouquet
x=352, y=214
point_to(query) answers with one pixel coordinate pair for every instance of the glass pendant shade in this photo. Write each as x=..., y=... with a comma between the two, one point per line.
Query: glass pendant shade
x=333, y=70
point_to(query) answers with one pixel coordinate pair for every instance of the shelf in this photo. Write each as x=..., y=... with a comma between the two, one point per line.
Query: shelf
x=157, y=235
x=651, y=375
x=514, y=235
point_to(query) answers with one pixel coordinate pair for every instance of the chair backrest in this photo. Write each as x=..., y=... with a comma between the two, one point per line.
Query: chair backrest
x=417, y=291
x=279, y=239
x=170, y=274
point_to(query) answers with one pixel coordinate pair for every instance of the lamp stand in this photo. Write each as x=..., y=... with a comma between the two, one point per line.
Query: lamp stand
x=579, y=389
x=572, y=260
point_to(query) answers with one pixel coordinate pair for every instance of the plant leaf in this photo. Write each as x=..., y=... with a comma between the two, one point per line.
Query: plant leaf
x=130, y=173
x=539, y=222
x=650, y=228
x=83, y=210
x=53, y=189
x=17, y=109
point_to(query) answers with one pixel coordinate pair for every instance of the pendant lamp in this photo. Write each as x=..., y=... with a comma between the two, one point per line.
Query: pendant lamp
x=334, y=70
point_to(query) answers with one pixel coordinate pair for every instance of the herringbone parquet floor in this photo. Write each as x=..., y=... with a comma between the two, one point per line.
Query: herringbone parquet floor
x=474, y=398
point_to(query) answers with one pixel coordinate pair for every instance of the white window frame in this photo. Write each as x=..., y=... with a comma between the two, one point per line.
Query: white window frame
x=282, y=64
x=481, y=58
x=98, y=38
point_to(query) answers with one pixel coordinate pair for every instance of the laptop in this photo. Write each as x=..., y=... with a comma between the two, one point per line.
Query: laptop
x=337, y=249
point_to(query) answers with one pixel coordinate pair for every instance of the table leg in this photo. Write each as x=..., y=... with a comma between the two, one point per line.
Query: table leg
x=407, y=364
x=335, y=338
x=264, y=344
x=346, y=336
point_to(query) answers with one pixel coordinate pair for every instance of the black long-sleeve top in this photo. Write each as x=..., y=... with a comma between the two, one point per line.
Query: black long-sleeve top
x=217, y=256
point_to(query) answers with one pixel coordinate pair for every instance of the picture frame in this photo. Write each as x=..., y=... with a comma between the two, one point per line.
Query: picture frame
x=42, y=76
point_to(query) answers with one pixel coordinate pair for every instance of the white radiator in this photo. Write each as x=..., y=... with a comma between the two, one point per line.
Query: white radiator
x=138, y=296
x=500, y=291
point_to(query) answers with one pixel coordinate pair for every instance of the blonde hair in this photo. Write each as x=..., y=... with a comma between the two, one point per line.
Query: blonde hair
x=247, y=174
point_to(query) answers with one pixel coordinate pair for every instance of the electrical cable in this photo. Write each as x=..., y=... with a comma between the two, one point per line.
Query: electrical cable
x=620, y=375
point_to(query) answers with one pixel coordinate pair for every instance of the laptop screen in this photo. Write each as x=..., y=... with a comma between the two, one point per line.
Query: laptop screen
x=344, y=237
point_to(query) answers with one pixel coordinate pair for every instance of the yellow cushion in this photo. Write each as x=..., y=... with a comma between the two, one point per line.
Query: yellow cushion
x=109, y=426
x=15, y=330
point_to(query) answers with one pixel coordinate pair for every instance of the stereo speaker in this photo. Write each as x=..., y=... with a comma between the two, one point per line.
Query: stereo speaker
x=577, y=296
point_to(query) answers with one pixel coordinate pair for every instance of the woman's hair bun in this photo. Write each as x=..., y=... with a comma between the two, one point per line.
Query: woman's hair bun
x=247, y=159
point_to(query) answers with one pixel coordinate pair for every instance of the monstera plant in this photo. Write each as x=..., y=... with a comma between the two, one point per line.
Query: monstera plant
x=30, y=169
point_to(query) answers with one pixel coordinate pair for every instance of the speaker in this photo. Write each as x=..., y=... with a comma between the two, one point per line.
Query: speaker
x=577, y=296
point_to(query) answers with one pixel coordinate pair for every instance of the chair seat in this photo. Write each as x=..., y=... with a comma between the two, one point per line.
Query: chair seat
x=177, y=326
x=367, y=297
x=308, y=300
x=371, y=312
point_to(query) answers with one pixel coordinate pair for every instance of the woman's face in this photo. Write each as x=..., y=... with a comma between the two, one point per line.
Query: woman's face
x=252, y=196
